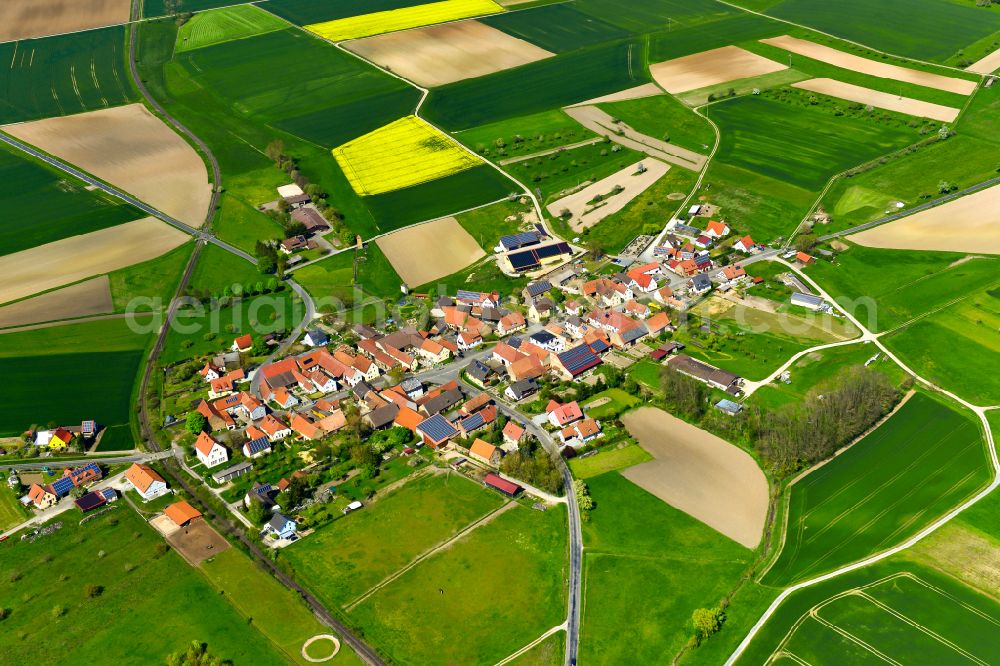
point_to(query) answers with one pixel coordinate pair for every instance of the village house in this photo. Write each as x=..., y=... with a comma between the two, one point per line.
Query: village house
x=706, y=373
x=535, y=290
x=436, y=431
x=745, y=245
x=580, y=432
x=622, y=330
x=516, y=391
x=281, y=527
x=293, y=244
x=316, y=338
x=717, y=229
x=226, y=384
x=561, y=415
x=572, y=363
x=85, y=475
x=182, y=514
x=146, y=481
x=256, y=447
x=511, y=323
x=607, y=292
x=42, y=497
x=485, y=453
x=700, y=284
x=209, y=451
x=513, y=435
x=541, y=309
x=243, y=344
x=643, y=278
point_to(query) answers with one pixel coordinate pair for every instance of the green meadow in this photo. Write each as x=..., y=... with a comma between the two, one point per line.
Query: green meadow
x=69, y=208
x=155, y=8
x=922, y=29
x=571, y=77
x=683, y=39
x=553, y=174
x=93, y=366
x=900, y=609
x=492, y=592
x=65, y=74
x=920, y=463
x=663, y=117
x=556, y=27
x=886, y=288
x=524, y=135
x=225, y=25
x=637, y=547
x=157, y=279
x=649, y=14
x=45, y=589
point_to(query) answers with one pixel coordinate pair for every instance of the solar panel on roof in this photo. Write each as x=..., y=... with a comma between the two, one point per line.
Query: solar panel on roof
x=468, y=295
x=579, y=359
x=437, y=428
x=62, y=486
x=473, y=422
x=515, y=241
x=523, y=261
x=258, y=445
x=599, y=346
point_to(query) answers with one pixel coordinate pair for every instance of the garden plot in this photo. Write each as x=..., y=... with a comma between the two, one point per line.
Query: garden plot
x=92, y=297
x=710, y=68
x=20, y=19
x=968, y=224
x=427, y=252
x=403, y=153
x=881, y=100
x=441, y=54
x=586, y=209
x=865, y=66
x=73, y=259
x=377, y=23
x=700, y=474
x=132, y=149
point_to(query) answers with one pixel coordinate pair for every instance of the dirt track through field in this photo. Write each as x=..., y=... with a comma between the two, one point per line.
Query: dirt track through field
x=20, y=19
x=700, y=474
x=92, y=297
x=710, y=68
x=132, y=149
x=441, y=54
x=881, y=100
x=426, y=252
x=866, y=66
x=596, y=120
x=986, y=65
x=585, y=215
x=78, y=257
x=968, y=224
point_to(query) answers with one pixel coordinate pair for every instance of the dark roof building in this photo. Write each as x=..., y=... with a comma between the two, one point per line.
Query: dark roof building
x=579, y=359
x=704, y=372
x=436, y=430
x=91, y=501
x=503, y=485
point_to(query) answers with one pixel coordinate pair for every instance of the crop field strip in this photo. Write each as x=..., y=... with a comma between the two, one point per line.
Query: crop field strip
x=900, y=618
x=923, y=460
x=404, y=153
x=225, y=25
x=559, y=27
x=377, y=23
x=303, y=12
x=63, y=75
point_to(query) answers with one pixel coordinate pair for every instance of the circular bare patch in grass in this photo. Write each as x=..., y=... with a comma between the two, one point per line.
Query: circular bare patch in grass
x=315, y=639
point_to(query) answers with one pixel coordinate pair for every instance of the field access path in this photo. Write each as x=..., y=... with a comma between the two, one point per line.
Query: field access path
x=979, y=411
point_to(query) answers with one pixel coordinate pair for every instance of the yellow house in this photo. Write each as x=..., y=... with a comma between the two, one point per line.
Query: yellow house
x=60, y=439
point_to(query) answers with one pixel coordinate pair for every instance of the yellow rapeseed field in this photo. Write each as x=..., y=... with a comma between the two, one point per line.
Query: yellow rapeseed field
x=403, y=153
x=377, y=23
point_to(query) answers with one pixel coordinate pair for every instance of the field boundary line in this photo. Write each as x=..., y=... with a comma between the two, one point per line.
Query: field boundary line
x=479, y=522
x=529, y=646
x=934, y=311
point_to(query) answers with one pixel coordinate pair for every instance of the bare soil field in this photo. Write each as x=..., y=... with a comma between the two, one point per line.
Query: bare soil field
x=709, y=68
x=585, y=214
x=20, y=19
x=700, y=474
x=866, y=66
x=986, y=65
x=638, y=92
x=968, y=224
x=441, y=54
x=92, y=297
x=426, y=252
x=78, y=257
x=197, y=542
x=132, y=149
x=881, y=100
x=597, y=120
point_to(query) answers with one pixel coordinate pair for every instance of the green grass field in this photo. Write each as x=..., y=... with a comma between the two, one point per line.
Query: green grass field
x=156, y=278
x=44, y=587
x=11, y=511
x=488, y=224
x=886, y=288
x=905, y=611
x=798, y=145
x=65, y=74
x=488, y=595
x=154, y=8
x=217, y=269
x=117, y=438
x=620, y=401
x=940, y=347
x=608, y=461
x=92, y=366
x=931, y=30
x=69, y=209
x=225, y=25
x=336, y=562
x=556, y=28
x=637, y=547
x=663, y=117
x=546, y=84
x=199, y=330
x=685, y=39
x=274, y=609
x=642, y=16
x=921, y=462
x=547, y=653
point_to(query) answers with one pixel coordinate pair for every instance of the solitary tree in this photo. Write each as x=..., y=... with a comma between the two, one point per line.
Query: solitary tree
x=707, y=621
x=196, y=423
x=196, y=655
